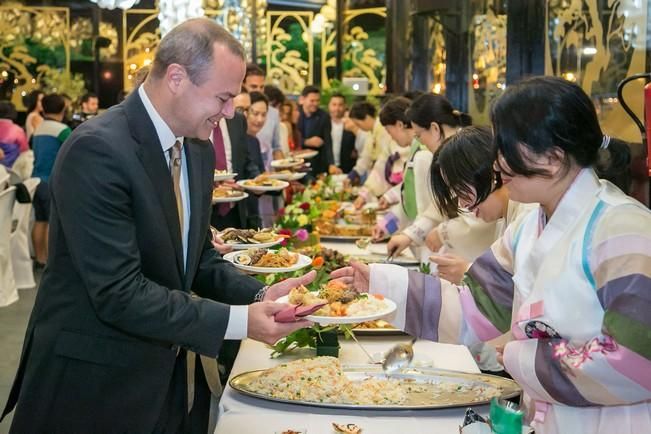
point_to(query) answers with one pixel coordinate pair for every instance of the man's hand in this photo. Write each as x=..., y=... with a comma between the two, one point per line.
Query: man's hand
x=397, y=244
x=433, y=240
x=274, y=292
x=314, y=142
x=221, y=246
x=263, y=327
x=357, y=274
x=451, y=267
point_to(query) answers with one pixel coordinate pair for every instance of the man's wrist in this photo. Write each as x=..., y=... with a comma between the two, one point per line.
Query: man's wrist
x=261, y=294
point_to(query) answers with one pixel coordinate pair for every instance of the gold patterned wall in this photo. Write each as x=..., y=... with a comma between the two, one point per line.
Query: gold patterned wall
x=141, y=37
x=364, y=60
x=438, y=55
x=24, y=32
x=290, y=50
x=487, y=63
x=597, y=44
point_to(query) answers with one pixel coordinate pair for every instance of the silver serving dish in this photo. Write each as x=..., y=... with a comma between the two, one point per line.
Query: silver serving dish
x=492, y=386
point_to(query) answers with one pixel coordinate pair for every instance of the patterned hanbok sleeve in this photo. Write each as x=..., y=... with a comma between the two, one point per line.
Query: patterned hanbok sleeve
x=611, y=368
x=434, y=309
x=424, y=223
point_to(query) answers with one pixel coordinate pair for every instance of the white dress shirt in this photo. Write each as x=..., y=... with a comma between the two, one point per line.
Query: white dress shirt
x=238, y=318
x=337, y=133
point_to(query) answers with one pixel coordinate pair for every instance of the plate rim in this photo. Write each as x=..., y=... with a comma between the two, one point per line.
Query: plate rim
x=224, y=177
x=262, y=188
x=230, y=199
x=298, y=162
x=328, y=320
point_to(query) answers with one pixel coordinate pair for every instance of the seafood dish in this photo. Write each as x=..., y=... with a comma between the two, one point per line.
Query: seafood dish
x=248, y=236
x=281, y=258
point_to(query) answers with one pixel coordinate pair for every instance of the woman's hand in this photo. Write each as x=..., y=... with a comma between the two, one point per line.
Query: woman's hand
x=433, y=240
x=451, y=267
x=397, y=244
x=359, y=202
x=358, y=275
x=378, y=233
x=383, y=204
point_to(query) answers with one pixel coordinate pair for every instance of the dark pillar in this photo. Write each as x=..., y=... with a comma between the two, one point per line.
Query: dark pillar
x=254, y=32
x=420, y=54
x=457, y=58
x=397, y=54
x=525, y=39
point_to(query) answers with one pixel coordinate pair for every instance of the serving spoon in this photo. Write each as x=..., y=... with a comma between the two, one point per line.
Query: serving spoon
x=398, y=357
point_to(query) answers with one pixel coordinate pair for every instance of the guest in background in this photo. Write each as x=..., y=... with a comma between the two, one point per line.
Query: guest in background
x=289, y=117
x=89, y=105
x=378, y=141
x=276, y=98
x=34, y=111
x=234, y=153
x=13, y=140
x=343, y=141
x=46, y=142
x=254, y=82
x=315, y=128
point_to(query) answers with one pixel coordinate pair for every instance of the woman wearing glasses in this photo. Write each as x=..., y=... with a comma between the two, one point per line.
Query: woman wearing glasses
x=571, y=280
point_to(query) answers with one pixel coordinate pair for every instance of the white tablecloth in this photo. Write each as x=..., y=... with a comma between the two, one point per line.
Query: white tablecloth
x=245, y=415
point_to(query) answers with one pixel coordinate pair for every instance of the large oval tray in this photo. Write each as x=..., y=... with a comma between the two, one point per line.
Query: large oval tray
x=416, y=401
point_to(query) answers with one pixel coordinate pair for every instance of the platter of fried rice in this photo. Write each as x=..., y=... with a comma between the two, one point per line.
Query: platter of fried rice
x=324, y=382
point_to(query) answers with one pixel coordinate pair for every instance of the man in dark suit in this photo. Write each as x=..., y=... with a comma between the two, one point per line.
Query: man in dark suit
x=314, y=125
x=343, y=141
x=241, y=158
x=105, y=347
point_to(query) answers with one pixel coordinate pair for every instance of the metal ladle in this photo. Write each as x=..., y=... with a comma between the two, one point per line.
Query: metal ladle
x=398, y=357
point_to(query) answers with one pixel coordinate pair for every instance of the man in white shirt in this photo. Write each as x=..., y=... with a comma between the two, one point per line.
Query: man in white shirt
x=105, y=349
x=343, y=141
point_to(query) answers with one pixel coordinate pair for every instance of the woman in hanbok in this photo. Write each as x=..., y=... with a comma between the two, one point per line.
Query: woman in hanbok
x=433, y=119
x=570, y=280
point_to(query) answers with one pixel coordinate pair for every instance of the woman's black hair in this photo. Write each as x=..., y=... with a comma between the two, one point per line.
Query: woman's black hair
x=257, y=97
x=395, y=110
x=31, y=100
x=430, y=107
x=361, y=109
x=543, y=114
x=614, y=164
x=463, y=169
x=274, y=94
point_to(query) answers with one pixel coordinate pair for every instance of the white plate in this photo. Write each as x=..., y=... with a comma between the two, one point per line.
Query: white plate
x=224, y=176
x=306, y=154
x=287, y=163
x=229, y=199
x=260, y=189
x=255, y=246
x=303, y=261
x=327, y=320
x=295, y=176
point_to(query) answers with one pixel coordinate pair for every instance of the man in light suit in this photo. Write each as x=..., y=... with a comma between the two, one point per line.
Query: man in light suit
x=106, y=342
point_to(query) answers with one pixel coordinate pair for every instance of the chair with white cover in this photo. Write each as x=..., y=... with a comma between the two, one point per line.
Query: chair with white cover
x=8, y=290
x=24, y=164
x=20, y=258
x=4, y=177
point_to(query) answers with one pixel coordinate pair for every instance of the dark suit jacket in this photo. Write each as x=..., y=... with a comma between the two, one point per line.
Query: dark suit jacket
x=246, y=161
x=114, y=303
x=319, y=126
x=348, y=153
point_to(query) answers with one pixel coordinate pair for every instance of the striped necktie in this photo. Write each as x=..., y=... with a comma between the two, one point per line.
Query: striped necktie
x=175, y=169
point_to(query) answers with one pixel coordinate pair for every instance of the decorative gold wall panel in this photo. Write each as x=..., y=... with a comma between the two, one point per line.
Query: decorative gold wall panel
x=597, y=44
x=286, y=67
x=488, y=63
x=140, y=36
x=364, y=60
x=22, y=25
x=438, y=54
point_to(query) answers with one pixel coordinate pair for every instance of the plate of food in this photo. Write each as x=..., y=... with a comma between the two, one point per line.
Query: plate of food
x=378, y=327
x=325, y=382
x=287, y=163
x=223, y=175
x=287, y=175
x=344, y=305
x=305, y=153
x=260, y=260
x=224, y=194
x=263, y=184
x=240, y=239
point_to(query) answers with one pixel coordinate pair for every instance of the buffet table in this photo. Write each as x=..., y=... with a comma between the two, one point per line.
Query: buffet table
x=247, y=415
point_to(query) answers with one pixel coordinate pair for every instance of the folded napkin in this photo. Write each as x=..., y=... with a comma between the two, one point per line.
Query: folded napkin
x=295, y=313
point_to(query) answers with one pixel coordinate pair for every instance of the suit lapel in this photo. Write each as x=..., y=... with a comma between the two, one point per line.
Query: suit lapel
x=151, y=155
x=195, y=235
